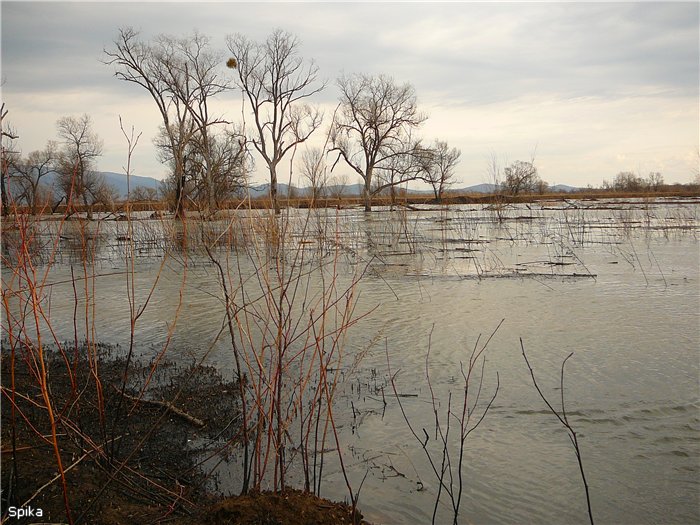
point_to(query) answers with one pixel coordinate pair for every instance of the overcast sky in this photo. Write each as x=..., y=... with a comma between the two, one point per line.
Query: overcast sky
x=589, y=89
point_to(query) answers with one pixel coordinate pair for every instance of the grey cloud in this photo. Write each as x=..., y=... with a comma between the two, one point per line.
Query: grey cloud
x=490, y=52
x=456, y=54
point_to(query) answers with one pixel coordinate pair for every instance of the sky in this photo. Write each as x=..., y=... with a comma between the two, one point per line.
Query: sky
x=586, y=89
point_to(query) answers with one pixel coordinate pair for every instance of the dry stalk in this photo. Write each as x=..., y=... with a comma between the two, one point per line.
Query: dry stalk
x=447, y=470
x=563, y=419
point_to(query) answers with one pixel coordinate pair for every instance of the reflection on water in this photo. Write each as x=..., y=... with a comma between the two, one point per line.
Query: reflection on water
x=616, y=283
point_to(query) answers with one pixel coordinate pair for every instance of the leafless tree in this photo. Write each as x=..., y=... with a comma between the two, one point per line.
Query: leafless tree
x=441, y=161
x=195, y=79
x=181, y=76
x=28, y=172
x=77, y=177
x=627, y=181
x=212, y=171
x=143, y=64
x=338, y=185
x=6, y=134
x=542, y=187
x=495, y=178
x=106, y=194
x=374, y=128
x=494, y=173
x=314, y=170
x=655, y=180
x=234, y=164
x=276, y=82
x=143, y=194
x=521, y=177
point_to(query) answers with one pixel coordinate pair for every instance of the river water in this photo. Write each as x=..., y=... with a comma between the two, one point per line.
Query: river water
x=615, y=283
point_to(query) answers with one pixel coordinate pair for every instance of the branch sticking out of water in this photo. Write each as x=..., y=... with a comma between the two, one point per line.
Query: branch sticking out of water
x=446, y=456
x=563, y=420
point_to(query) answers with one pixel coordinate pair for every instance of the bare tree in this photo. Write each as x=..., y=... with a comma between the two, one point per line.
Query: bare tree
x=521, y=177
x=143, y=194
x=276, y=81
x=542, y=186
x=439, y=171
x=628, y=181
x=313, y=169
x=6, y=134
x=212, y=170
x=181, y=76
x=28, y=172
x=338, y=185
x=495, y=178
x=195, y=80
x=374, y=128
x=231, y=164
x=655, y=180
x=77, y=177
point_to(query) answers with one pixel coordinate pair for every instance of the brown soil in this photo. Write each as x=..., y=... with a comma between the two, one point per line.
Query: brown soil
x=138, y=465
x=290, y=507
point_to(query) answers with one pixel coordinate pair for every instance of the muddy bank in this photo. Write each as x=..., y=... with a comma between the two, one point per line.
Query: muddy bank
x=125, y=460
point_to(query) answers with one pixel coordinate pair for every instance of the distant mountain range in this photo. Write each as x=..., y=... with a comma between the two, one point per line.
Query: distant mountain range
x=356, y=189
x=118, y=181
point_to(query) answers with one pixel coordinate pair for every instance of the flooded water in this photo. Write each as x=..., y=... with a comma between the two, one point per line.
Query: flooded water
x=617, y=284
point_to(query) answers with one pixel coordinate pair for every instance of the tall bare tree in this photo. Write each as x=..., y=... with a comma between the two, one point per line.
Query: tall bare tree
x=276, y=82
x=181, y=75
x=143, y=64
x=374, y=128
x=194, y=74
x=441, y=161
x=81, y=147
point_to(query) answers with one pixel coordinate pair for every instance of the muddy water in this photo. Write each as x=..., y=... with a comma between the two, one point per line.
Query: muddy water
x=617, y=284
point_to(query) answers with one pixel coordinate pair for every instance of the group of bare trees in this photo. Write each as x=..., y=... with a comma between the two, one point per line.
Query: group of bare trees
x=628, y=181
x=70, y=162
x=372, y=132
x=374, y=135
x=206, y=154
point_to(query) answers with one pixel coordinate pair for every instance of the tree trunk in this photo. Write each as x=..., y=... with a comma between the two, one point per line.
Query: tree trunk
x=88, y=207
x=179, y=191
x=367, y=191
x=33, y=203
x=273, y=189
x=3, y=188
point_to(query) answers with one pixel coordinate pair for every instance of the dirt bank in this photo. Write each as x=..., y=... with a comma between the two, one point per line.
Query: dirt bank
x=127, y=461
